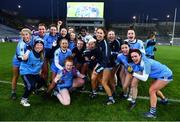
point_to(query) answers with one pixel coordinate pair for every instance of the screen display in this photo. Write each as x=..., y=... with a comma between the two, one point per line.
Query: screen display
x=85, y=9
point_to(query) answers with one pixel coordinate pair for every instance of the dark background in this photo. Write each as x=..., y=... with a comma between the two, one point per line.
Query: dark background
x=116, y=11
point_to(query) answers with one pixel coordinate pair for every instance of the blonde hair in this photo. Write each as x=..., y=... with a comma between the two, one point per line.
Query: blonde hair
x=26, y=30
x=92, y=40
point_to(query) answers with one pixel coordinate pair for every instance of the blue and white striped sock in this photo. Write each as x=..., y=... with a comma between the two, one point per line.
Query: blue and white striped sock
x=94, y=92
x=153, y=110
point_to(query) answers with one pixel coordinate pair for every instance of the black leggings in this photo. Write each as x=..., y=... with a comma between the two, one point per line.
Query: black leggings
x=31, y=83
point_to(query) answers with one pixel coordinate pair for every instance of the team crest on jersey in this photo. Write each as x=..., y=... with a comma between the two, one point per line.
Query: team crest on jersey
x=21, y=49
x=56, y=54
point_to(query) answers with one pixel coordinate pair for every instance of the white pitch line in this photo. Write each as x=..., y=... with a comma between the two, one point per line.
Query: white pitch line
x=7, y=82
x=101, y=93
x=140, y=97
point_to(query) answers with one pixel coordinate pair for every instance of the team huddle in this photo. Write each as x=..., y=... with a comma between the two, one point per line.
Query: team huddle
x=70, y=60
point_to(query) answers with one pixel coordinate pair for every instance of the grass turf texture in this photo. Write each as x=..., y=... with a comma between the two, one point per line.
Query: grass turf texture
x=82, y=108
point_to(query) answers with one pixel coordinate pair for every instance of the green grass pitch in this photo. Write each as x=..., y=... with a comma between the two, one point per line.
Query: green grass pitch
x=82, y=108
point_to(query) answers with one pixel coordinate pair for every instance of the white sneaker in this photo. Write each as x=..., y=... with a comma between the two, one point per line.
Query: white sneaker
x=24, y=102
x=129, y=99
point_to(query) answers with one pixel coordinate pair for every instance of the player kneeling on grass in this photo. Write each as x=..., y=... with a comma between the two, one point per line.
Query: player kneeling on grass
x=30, y=71
x=161, y=74
x=65, y=80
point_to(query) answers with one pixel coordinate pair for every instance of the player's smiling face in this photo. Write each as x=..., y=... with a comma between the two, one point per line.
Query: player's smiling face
x=70, y=30
x=69, y=65
x=72, y=36
x=42, y=30
x=26, y=36
x=111, y=36
x=125, y=49
x=135, y=57
x=38, y=47
x=91, y=45
x=64, y=44
x=80, y=44
x=53, y=31
x=63, y=32
x=100, y=34
x=131, y=35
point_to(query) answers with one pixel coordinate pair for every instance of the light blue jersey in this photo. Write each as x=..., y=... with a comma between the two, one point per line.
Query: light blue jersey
x=36, y=35
x=59, y=58
x=66, y=80
x=137, y=44
x=49, y=40
x=32, y=66
x=21, y=49
x=154, y=69
x=150, y=46
x=122, y=59
x=71, y=45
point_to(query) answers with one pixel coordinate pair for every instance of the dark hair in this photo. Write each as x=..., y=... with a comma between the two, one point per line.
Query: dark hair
x=71, y=28
x=151, y=34
x=131, y=51
x=83, y=29
x=80, y=39
x=131, y=27
x=104, y=30
x=112, y=31
x=53, y=25
x=124, y=42
x=63, y=39
x=42, y=24
x=63, y=28
x=76, y=37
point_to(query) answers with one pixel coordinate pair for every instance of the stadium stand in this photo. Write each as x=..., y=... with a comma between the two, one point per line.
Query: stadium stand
x=163, y=30
x=8, y=33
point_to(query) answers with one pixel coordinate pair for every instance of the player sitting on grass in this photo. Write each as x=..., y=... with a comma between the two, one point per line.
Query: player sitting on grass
x=65, y=80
